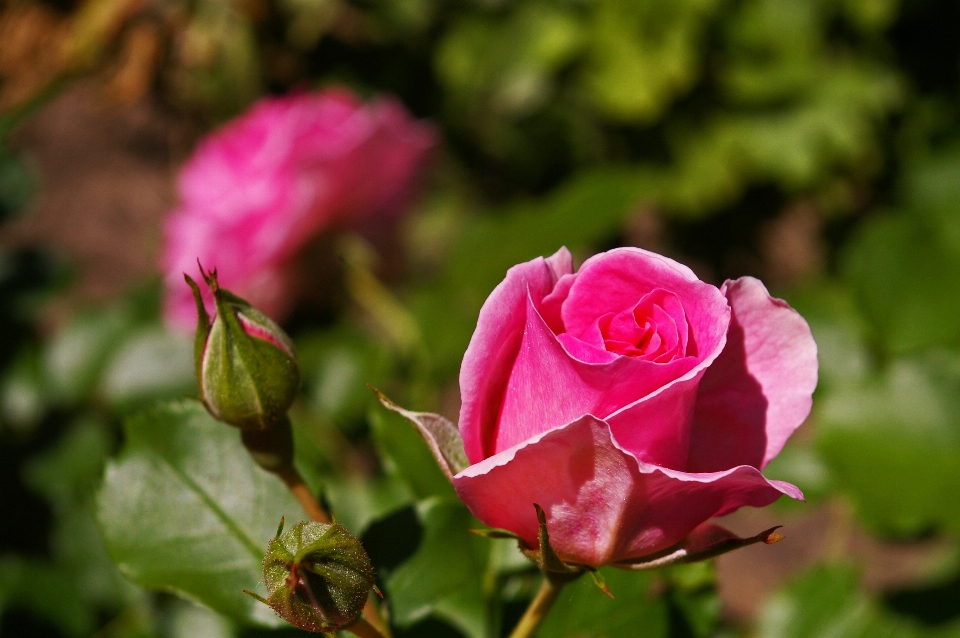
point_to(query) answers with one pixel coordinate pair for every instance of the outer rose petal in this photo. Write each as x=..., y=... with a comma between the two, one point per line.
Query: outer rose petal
x=564, y=383
x=493, y=347
x=759, y=390
x=602, y=505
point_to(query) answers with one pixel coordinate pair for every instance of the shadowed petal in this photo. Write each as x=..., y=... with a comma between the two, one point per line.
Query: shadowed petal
x=759, y=390
x=602, y=504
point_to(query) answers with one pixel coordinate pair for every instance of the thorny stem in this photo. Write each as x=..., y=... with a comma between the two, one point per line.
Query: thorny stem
x=539, y=606
x=371, y=616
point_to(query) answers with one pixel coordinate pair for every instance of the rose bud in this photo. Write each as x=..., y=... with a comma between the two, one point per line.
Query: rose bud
x=318, y=576
x=247, y=373
x=631, y=402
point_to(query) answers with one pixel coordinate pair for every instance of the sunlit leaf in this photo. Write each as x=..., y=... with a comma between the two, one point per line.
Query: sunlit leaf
x=183, y=508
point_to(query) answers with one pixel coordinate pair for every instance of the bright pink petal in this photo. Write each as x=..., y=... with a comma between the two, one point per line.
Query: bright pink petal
x=656, y=429
x=602, y=505
x=547, y=387
x=616, y=280
x=759, y=390
x=494, y=346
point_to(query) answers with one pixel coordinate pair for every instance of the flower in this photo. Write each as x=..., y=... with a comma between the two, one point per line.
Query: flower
x=256, y=190
x=247, y=372
x=630, y=401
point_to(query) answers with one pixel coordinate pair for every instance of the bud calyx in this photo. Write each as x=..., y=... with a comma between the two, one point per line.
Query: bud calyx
x=246, y=370
x=318, y=576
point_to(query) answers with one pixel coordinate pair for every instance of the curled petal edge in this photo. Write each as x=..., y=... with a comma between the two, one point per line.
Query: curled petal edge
x=439, y=433
x=704, y=542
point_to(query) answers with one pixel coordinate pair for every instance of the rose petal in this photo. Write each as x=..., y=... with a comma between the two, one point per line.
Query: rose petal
x=618, y=279
x=656, y=429
x=759, y=390
x=494, y=345
x=547, y=387
x=602, y=504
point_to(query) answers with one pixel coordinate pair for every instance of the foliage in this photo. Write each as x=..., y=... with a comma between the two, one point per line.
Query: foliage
x=813, y=143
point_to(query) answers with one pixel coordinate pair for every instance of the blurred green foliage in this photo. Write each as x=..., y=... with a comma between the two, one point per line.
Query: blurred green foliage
x=813, y=143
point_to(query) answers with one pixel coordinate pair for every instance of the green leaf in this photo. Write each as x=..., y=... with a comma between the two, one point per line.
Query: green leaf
x=448, y=566
x=69, y=473
x=406, y=456
x=910, y=294
x=583, y=610
x=74, y=359
x=357, y=500
x=337, y=364
x=893, y=443
x=439, y=434
x=40, y=588
x=183, y=508
x=643, y=55
x=151, y=363
x=828, y=602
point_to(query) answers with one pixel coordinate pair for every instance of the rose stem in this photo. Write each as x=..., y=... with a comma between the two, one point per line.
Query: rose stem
x=308, y=501
x=315, y=511
x=363, y=629
x=537, y=611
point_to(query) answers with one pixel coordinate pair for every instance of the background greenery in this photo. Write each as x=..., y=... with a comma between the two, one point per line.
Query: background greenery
x=812, y=143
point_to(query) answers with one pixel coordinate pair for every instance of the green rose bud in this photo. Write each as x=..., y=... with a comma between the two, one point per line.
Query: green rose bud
x=318, y=576
x=246, y=370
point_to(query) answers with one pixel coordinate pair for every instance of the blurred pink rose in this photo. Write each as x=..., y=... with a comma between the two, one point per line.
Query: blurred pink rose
x=630, y=400
x=261, y=186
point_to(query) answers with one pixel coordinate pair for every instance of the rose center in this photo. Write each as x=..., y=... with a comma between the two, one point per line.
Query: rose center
x=655, y=329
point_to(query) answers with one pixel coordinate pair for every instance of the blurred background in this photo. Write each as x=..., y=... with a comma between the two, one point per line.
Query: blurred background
x=812, y=143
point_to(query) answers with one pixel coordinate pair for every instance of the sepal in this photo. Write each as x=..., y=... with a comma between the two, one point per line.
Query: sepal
x=704, y=542
x=441, y=436
x=318, y=576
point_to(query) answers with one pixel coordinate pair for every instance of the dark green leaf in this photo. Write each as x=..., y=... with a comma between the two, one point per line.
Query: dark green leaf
x=407, y=457
x=183, y=508
x=449, y=564
x=584, y=611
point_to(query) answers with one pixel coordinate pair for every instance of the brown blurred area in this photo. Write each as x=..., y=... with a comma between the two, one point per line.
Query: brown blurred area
x=104, y=149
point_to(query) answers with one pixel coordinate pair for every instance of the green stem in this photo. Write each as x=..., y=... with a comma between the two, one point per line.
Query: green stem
x=363, y=629
x=537, y=611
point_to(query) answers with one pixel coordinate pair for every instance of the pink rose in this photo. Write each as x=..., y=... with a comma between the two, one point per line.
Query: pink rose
x=257, y=189
x=630, y=400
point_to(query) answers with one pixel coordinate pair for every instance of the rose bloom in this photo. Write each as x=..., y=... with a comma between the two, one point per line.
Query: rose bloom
x=630, y=400
x=257, y=189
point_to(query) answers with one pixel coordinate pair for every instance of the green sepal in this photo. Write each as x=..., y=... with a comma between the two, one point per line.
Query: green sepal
x=704, y=542
x=203, y=324
x=317, y=575
x=247, y=372
x=600, y=581
x=546, y=558
x=495, y=533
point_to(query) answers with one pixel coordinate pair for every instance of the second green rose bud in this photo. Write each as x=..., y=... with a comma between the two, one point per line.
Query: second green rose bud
x=247, y=373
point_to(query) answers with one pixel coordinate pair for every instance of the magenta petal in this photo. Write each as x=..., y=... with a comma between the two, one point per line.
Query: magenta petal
x=759, y=390
x=548, y=387
x=618, y=279
x=602, y=505
x=494, y=345
x=656, y=429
